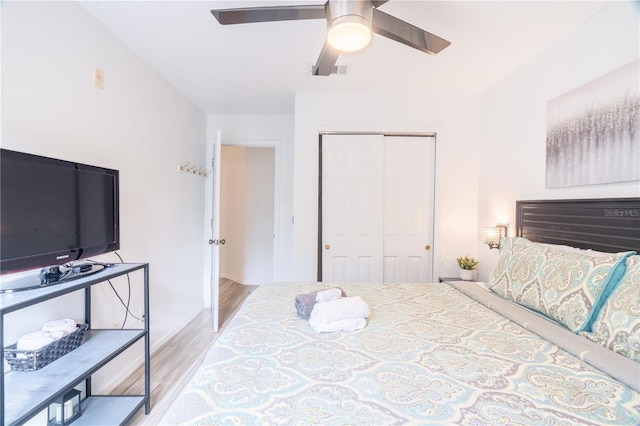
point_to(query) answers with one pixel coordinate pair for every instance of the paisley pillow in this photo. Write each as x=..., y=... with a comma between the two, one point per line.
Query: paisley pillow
x=566, y=284
x=617, y=325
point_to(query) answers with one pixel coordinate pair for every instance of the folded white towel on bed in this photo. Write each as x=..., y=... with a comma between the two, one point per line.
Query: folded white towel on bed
x=339, y=309
x=350, y=324
x=328, y=295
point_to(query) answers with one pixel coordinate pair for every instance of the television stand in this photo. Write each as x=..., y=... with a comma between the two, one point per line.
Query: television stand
x=23, y=394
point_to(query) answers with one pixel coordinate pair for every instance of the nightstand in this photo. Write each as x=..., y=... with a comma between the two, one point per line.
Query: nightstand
x=443, y=279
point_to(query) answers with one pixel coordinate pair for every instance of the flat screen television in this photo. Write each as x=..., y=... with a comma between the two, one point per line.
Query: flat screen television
x=55, y=211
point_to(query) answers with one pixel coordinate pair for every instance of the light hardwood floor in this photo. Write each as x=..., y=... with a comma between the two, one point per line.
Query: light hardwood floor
x=173, y=364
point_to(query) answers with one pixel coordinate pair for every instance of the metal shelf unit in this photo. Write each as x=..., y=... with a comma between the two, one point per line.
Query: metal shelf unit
x=32, y=391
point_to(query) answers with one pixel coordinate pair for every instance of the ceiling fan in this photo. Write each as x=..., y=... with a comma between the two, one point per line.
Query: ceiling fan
x=349, y=26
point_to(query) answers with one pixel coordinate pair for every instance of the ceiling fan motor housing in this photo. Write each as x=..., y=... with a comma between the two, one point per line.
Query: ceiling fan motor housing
x=348, y=17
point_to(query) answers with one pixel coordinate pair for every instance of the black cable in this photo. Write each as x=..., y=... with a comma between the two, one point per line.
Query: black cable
x=127, y=311
x=126, y=306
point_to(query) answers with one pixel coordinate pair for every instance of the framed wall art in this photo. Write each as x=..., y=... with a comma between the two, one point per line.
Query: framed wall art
x=593, y=131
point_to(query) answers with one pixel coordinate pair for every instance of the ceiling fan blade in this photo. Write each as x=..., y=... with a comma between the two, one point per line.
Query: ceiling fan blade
x=405, y=33
x=268, y=14
x=326, y=60
x=378, y=3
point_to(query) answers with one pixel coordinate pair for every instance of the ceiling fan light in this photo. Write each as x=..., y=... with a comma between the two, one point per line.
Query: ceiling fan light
x=349, y=34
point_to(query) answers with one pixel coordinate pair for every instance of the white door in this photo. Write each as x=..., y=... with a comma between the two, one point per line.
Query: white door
x=408, y=208
x=214, y=241
x=352, y=208
x=377, y=208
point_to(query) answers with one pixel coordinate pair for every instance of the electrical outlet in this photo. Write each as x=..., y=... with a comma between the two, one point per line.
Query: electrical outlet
x=98, y=78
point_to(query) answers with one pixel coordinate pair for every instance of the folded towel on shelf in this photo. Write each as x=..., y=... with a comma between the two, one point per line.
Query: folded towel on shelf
x=305, y=302
x=34, y=341
x=350, y=324
x=51, y=331
x=66, y=326
x=339, y=309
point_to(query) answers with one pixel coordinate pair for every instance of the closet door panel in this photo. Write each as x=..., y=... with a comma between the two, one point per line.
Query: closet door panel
x=408, y=207
x=352, y=208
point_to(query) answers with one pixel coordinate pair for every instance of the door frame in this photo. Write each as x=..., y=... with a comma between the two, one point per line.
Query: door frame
x=247, y=143
x=384, y=134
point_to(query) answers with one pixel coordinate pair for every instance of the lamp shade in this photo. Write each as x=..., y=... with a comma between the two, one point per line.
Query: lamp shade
x=493, y=234
x=349, y=33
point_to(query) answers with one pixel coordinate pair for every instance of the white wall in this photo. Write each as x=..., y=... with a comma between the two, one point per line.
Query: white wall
x=259, y=211
x=455, y=119
x=514, y=117
x=266, y=131
x=138, y=124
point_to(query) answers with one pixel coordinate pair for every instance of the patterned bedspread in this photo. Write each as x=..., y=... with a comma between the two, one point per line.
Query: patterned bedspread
x=428, y=355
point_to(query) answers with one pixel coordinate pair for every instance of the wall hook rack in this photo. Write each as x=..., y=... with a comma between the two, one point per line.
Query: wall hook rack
x=192, y=169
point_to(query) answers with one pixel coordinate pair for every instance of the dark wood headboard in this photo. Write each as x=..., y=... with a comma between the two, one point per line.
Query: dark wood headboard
x=605, y=224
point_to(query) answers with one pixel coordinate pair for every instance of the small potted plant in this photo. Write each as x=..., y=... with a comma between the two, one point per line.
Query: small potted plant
x=467, y=266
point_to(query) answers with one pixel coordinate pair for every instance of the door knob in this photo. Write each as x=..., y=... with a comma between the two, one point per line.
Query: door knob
x=427, y=247
x=327, y=246
x=217, y=242
x=210, y=241
x=222, y=241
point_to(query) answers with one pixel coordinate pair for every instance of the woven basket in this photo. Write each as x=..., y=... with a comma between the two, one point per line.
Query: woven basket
x=21, y=360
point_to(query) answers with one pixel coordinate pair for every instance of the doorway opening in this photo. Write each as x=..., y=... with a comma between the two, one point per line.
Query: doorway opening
x=247, y=214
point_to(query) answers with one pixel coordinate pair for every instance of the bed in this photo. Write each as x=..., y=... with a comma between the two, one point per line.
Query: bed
x=450, y=353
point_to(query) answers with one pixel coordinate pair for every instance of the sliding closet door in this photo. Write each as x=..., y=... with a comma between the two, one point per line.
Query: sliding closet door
x=352, y=208
x=377, y=208
x=409, y=163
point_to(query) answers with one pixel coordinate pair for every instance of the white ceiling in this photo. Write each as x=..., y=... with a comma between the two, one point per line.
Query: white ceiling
x=257, y=68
